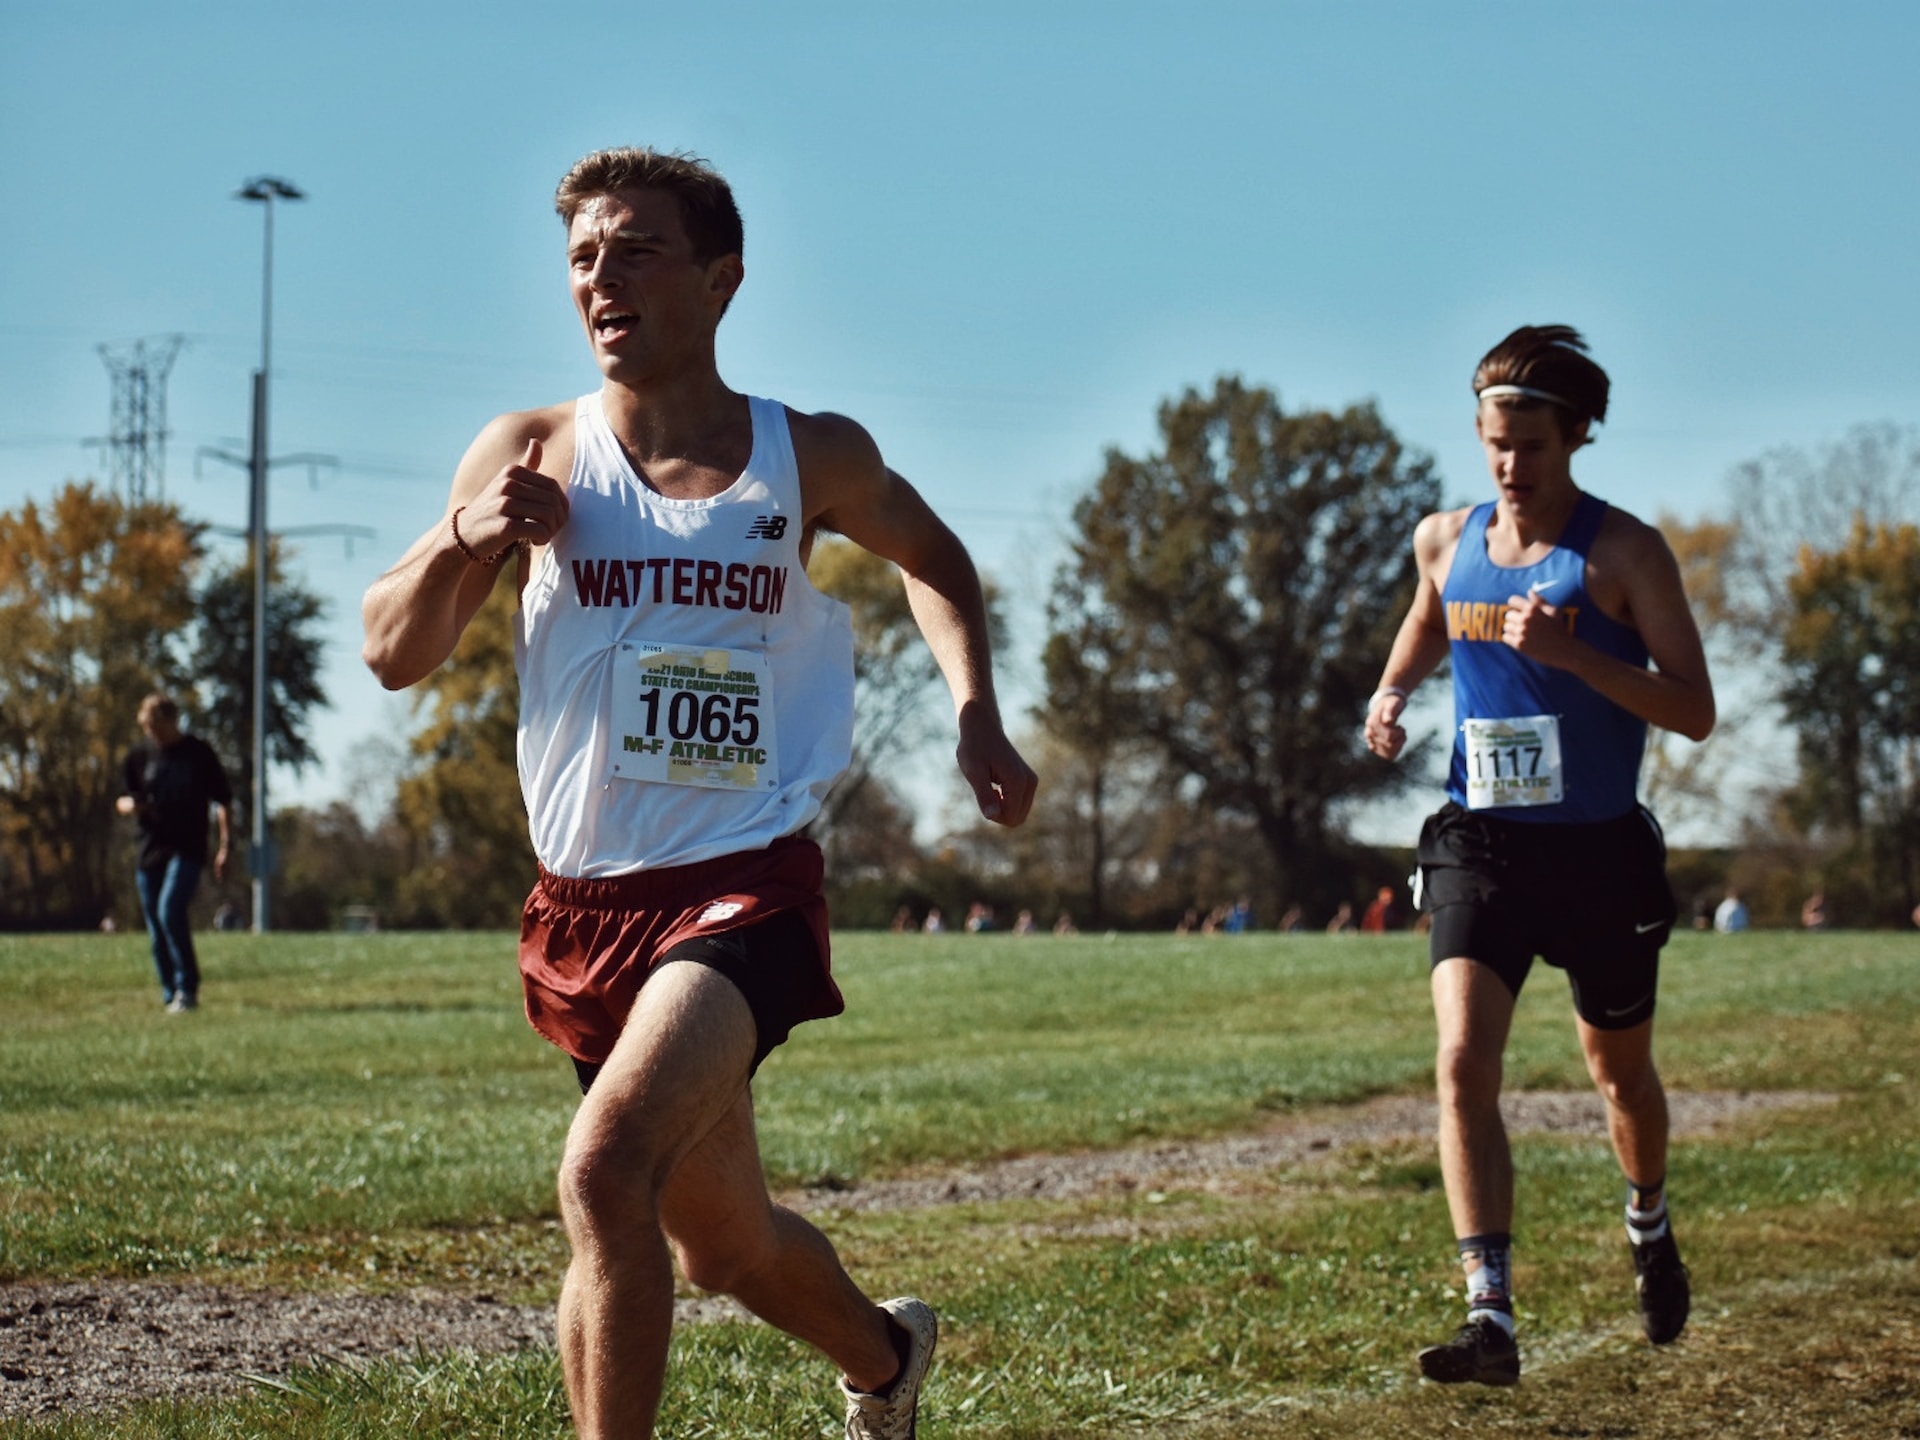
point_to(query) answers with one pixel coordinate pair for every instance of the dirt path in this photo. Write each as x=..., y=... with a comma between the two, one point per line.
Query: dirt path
x=96, y=1345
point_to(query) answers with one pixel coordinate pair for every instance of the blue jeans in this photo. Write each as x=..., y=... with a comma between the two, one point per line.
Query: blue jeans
x=165, y=891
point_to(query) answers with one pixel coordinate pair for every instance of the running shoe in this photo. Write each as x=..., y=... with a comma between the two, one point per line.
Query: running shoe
x=1665, y=1293
x=1483, y=1352
x=892, y=1416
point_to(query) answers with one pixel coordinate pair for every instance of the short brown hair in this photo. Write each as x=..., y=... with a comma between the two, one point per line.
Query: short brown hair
x=1545, y=365
x=706, y=201
x=159, y=706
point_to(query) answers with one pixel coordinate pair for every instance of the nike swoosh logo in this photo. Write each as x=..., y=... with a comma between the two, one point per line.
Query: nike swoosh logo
x=1628, y=1010
x=1540, y=587
x=1648, y=928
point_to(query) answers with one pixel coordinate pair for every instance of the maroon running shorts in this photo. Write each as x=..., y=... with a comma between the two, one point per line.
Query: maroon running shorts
x=587, y=946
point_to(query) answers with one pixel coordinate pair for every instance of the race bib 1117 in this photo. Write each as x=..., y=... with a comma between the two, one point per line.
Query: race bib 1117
x=689, y=716
x=1515, y=761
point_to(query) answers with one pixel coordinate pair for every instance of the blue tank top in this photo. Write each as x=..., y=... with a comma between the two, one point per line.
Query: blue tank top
x=1600, y=744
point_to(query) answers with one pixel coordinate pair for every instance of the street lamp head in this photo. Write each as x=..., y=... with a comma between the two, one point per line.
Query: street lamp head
x=269, y=188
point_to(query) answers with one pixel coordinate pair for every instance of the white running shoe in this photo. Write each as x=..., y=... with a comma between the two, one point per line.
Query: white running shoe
x=892, y=1416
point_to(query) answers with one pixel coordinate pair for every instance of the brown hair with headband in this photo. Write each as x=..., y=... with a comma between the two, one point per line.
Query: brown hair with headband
x=1544, y=365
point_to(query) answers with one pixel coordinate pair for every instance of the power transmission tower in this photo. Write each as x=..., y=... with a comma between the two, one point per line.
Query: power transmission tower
x=136, y=444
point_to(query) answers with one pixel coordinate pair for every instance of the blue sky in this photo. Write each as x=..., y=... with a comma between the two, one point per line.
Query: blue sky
x=997, y=234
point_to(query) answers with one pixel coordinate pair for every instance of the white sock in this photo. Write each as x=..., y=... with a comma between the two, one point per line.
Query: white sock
x=1644, y=1226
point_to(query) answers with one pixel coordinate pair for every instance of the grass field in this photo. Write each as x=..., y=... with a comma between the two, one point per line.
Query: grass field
x=372, y=1112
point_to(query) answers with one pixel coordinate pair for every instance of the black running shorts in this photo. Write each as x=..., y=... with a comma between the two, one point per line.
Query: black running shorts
x=1591, y=899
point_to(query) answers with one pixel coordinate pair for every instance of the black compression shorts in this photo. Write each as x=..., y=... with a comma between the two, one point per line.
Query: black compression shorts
x=1591, y=899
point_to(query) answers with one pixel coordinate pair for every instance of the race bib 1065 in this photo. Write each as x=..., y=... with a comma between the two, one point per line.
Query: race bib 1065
x=1515, y=761
x=686, y=716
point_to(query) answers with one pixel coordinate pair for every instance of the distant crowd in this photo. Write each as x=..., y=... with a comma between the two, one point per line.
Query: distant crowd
x=1387, y=911
x=980, y=920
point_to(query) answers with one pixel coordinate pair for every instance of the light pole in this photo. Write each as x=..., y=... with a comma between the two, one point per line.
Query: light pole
x=265, y=189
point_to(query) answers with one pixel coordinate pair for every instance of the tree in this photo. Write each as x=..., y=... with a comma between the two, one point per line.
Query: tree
x=1790, y=498
x=1229, y=601
x=1106, y=846
x=1088, y=700
x=1852, y=694
x=1752, y=580
x=330, y=860
x=223, y=661
x=472, y=862
x=93, y=592
x=895, y=678
x=872, y=855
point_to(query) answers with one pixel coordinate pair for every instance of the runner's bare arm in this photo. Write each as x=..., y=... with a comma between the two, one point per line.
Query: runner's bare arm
x=1421, y=643
x=850, y=490
x=1677, y=693
x=416, y=612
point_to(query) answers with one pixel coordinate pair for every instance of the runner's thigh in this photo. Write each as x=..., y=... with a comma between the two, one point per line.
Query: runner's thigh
x=677, y=1070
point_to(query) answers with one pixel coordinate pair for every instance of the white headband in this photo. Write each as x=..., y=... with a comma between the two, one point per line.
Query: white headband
x=1514, y=392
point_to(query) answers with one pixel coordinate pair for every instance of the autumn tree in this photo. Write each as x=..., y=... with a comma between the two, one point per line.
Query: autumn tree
x=471, y=861
x=94, y=595
x=1769, y=586
x=1852, y=694
x=1791, y=497
x=1229, y=599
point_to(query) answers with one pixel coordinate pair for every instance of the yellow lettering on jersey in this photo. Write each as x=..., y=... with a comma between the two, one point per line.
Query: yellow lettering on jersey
x=1485, y=621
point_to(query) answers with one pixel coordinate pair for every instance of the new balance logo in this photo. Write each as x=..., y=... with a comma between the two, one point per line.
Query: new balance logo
x=767, y=527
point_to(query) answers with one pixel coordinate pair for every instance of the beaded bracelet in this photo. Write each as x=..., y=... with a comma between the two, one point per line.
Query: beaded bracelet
x=453, y=522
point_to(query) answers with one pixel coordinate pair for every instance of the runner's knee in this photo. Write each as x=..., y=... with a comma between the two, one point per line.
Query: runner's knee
x=610, y=1181
x=1631, y=1087
x=1468, y=1074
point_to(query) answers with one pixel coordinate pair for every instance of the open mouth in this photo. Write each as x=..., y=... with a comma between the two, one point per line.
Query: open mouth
x=612, y=322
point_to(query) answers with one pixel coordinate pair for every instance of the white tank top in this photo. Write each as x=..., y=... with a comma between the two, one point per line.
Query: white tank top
x=685, y=692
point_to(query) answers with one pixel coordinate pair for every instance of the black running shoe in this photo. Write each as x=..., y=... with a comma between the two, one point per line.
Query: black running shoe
x=1483, y=1352
x=1665, y=1294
